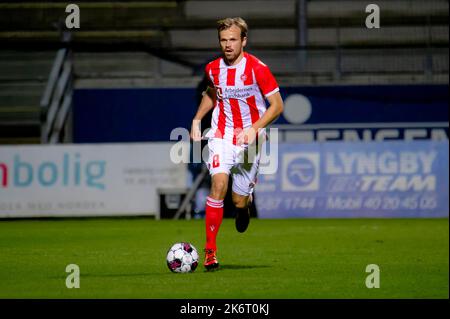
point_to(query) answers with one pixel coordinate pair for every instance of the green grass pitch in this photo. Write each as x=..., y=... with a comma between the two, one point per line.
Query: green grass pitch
x=293, y=259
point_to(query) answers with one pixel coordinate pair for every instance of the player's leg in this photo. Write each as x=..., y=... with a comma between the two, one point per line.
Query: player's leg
x=244, y=180
x=214, y=209
x=219, y=164
x=242, y=204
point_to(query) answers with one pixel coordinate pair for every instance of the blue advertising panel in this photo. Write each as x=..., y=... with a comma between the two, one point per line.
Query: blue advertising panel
x=373, y=103
x=379, y=112
x=342, y=179
x=131, y=115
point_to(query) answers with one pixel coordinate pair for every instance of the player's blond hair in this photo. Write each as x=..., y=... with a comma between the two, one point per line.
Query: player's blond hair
x=227, y=23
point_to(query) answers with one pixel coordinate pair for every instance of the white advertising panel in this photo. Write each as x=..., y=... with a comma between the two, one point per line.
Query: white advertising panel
x=86, y=179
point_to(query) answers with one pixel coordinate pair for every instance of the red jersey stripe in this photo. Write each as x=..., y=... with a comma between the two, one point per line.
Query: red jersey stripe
x=220, y=132
x=215, y=72
x=248, y=74
x=231, y=77
x=254, y=113
x=237, y=118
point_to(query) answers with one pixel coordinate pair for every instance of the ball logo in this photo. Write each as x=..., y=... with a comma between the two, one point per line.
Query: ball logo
x=300, y=172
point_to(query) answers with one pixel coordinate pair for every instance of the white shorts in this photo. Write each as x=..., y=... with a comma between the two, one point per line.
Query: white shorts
x=239, y=161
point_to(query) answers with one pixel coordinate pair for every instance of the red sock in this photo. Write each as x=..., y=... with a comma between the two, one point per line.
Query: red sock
x=213, y=219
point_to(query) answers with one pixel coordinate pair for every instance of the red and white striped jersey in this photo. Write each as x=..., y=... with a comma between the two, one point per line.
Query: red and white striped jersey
x=241, y=89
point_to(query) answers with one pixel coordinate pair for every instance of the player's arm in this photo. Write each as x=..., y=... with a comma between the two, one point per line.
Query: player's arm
x=269, y=87
x=206, y=104
x=272, y=113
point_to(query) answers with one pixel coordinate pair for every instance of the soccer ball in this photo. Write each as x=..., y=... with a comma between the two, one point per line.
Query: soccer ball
x=182, y=257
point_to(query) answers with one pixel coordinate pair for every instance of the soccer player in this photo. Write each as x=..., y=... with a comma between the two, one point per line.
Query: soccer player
x=238, y=85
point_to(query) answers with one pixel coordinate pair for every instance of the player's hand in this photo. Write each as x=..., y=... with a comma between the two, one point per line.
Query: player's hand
x=196, y=133
x=247, y=136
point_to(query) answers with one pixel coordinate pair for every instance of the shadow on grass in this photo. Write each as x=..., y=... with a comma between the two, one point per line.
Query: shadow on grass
x=238, y=267
x=120, y=275
x=147, y=274
x=111, y=275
